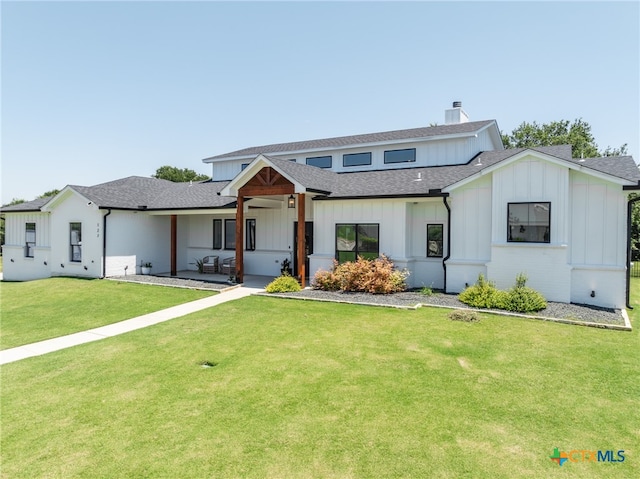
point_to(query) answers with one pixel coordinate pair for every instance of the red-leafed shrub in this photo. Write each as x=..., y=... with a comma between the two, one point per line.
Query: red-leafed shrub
x=377, y=276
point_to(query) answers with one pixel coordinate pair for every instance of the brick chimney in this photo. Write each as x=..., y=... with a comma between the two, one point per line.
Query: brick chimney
x=455, y=114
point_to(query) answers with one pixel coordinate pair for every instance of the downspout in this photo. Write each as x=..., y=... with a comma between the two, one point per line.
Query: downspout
x=444, y=260
x=104, y=244
x=628, y=278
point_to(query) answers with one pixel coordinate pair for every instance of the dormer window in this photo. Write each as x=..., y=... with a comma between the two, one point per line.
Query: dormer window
x=400, y=156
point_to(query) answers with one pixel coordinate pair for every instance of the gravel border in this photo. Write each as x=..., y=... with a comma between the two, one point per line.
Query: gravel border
x=579, y=314
x=560, y=312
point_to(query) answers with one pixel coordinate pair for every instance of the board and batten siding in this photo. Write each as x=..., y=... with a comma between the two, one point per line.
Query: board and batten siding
x=425, y=271
x=545, y=264
x=390, y=214
x=471, y=226
x=274, y=237
x=598, y=241
x=434, y=152
x=17, y=267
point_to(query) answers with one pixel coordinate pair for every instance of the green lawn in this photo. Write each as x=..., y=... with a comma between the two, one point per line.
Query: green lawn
x=302, y=389
x=31, y=311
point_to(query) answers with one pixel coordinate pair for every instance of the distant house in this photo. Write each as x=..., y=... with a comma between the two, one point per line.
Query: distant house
x=445, y=202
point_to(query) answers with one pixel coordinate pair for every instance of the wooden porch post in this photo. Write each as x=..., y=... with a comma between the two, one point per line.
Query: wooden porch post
x=174, y=241
x=239, y=239
x=301, y=240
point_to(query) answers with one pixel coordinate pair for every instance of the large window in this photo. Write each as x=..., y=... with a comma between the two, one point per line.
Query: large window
x=251, y=235
x=217, y=234
x=434, y=241
x=529, y=222
x=75, y=230
x=30, y=239
x=356, y=159
x=400, y=156
x=229, y=234
x=353, y=240
x=320, y=161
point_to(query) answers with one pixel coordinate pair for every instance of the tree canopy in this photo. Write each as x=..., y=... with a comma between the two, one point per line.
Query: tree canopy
x=177, y=175
x=577, y=134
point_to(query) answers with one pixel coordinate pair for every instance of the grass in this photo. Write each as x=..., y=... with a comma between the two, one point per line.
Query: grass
x=303, y=389
x=35, y=310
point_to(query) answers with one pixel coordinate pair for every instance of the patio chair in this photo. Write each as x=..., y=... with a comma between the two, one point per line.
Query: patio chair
x=210, y=264
x=228, y=266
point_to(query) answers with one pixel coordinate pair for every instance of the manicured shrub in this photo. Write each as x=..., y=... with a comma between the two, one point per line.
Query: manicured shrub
x=377, y=276
x=483, y=294
x=520, y=298
x=283, y=284
x=464, y=315
x=523, y=299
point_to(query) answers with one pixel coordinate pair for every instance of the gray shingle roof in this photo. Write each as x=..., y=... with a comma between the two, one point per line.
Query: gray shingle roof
x=355, y=140
x=418, y=181
x=313, y=178
x=34, y=205
x=135, y=192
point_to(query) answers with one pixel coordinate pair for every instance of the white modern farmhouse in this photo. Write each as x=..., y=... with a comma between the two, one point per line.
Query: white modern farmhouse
x=445, y=202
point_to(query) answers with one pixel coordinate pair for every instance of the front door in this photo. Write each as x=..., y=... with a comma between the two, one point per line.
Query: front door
x=308, y=237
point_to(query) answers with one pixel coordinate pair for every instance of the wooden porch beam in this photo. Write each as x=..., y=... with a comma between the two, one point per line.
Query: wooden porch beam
x=301, y=239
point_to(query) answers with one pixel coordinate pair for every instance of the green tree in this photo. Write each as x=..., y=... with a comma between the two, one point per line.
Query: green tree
x=577, y=134
x=178, y=175
x=49, y=193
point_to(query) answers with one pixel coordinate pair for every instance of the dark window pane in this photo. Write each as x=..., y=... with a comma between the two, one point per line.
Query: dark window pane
x=368, y=239
x=356, y=159
x=434, y=241
x=30, y=239
x=345, y=238
x=320, y=161
x=217, y=234
x=251, y=235
x=76, y=241
x=529, y=222
x=353, y=240
x=229, y=234
x=400, y=156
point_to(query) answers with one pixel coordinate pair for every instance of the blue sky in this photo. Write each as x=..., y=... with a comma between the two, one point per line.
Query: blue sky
x=95, y=91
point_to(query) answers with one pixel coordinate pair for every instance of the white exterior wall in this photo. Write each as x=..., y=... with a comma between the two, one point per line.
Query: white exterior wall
x=546, y=265
x=471, y=220
x=16, y=266
x=425, y=271
x=390, y=214
x=135, y=237
x=428, y=153
x=73, y=208
x=598, y=241
x=274, y=237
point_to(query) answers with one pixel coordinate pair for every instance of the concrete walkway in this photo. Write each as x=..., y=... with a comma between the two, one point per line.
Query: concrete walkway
x=63, y=342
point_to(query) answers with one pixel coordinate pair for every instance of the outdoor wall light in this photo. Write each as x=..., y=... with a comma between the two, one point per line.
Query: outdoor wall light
x=45, y=263
x=291, y=202
x=12, y=260
x=61, y=265
x=593, y=294
x=85, y=268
